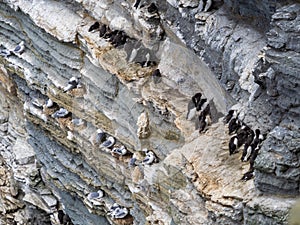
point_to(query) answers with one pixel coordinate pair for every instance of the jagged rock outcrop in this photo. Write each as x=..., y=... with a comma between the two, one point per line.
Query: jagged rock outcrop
x=222, y=50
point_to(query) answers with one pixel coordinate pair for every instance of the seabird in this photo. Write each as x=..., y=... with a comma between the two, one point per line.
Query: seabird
x=156, y=76
x=36, y=103
x=60, y=215
x=245, y=135
x=152, y=8
x=109, y=142
x=132, y=161
x=248, y=175
x=5, y=52
x=114, y=207
x=119, y=39
x=94, y=27
x=49, y=103
x=207, y=5
x=192, y=106
x=228, y=117
x=233, y=145
x=19, y=49
x=196, y=99
x=103, y=30
x=67, y=220
x=119, y=213
x=200, y=103
x=136, y=4
x=61, y=113
x=101, y=136
x=95, y=195
x=72, y=83
x=149, y=159
x=112, y=35
x=108, y=33
x=247, y=152
x=120, y=151
x=191, y=111
x=234, y=125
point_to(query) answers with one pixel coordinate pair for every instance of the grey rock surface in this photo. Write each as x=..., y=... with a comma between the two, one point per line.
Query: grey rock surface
x=239, y=54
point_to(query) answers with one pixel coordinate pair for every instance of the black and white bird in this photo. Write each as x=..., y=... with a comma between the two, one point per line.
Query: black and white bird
x=204, y=118
x=149, y=159
x=192, y=106
x=19, y=49
x=152, y=8
x=233, y=145
x=101, y=136
x=205, y=5
x=136, y=4
x=95, y=195
x=234, y=125
x=72, y=83
x=94, y=27
x=61, y=113
x=231, y=114
x=109, y=142
x=120, y=151
x=132, y=161
x=248, y=175
x=156, y=76
x=102, y=30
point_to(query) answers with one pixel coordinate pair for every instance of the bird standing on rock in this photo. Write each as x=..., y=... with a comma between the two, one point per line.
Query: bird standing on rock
x=109, y=142
x=72, y=83
x=94, y=27
x=95, y=195
x=61, y=113
x=19, y=49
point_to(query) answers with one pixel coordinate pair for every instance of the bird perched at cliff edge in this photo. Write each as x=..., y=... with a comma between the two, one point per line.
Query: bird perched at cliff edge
x=109, y=142
x=95, y=195
x=156, y=76
x=120, y=151
x=61, y=113
x=94, y=27
x=5, y=53
x=19, y=49
x=149, y=159
x=101, y=136
x=72, y=83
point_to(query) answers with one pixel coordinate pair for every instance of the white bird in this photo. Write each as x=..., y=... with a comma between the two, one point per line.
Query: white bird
x=120, y=151
x=37, y=103
x=72, y=83
x=19, y=49
x=119, y=213
x=149, y=159
x=95, y=195
x=5, y=52
x=49, y=103
x=61, y=113
x=109, y=142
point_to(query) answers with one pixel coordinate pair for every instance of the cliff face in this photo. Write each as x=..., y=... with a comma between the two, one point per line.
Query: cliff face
x=238, y=54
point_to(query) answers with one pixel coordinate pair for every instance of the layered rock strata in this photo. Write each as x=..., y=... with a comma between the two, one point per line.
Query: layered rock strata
x=218, y=51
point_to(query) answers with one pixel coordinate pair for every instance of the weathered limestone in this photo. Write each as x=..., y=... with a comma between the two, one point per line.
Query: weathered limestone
x=194, y=180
